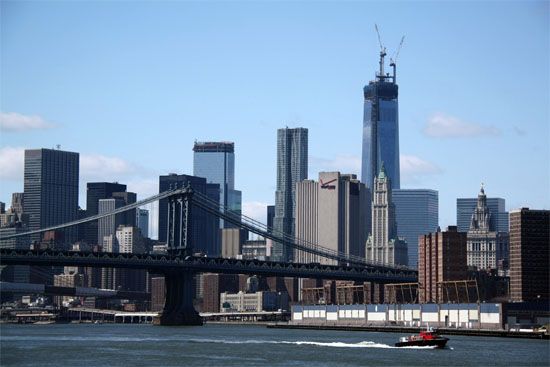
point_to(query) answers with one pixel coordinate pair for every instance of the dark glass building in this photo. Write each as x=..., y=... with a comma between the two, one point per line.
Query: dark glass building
x=270, y=216
x=206, y=228
x=51, y=190
x=416, y=214
x=96, y=191
x=215, y=161
x=381, y=128
x=292, y=150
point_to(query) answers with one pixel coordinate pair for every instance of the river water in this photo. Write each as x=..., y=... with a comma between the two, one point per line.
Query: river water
x=236, y=345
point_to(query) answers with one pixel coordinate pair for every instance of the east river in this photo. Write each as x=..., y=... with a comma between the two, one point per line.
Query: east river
x=236, y=345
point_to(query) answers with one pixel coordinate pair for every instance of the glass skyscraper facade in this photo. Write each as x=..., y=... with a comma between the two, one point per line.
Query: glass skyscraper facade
x=142, y=221
x=51, y=190
x=465, y=208
x=380, y=129
x=206, y=233
x=215, y=161
x=416, y=214
x=292, y=165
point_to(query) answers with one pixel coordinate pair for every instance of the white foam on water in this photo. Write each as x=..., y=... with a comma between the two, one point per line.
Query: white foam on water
x=362, y=344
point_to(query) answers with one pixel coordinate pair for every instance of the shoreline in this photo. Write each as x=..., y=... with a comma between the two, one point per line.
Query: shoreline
x=364, y=328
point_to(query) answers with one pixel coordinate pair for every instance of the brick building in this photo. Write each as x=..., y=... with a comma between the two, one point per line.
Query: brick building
x=441, y=258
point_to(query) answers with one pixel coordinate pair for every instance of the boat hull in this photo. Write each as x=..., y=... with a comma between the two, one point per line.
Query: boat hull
x=438, y=343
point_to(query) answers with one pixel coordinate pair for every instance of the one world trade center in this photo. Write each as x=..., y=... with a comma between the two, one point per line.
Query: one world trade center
x=381, y=128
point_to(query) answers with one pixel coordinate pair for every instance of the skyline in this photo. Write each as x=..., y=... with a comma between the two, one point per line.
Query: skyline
x=182, y=72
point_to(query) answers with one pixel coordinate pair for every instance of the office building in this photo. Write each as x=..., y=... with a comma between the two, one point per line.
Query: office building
x=51, y=190
x=292, y=165
x=107, y=226
x=465, y=208
x=205, y=234
x=106, y=230
x=416, y=213
x=232, y=238
x=485, y=247
x=529, y=255
x=252, y=302
x=215, y=161
x=129, y=241
x=383, y=244
x=96, y=191
x=255, y=249
x=441, y=258
x=332, y=213
x=381, y=128
x=142, y=221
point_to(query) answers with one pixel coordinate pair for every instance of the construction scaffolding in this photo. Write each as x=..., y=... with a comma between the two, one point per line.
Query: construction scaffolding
x=313, y=296
x=458, y=291
x=401, y=293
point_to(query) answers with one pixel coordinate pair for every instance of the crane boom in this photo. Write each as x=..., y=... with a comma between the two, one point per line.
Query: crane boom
x=379, y=40
x=396, y=54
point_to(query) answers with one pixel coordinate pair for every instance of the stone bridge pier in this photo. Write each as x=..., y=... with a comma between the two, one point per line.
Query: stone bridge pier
x=178, y=307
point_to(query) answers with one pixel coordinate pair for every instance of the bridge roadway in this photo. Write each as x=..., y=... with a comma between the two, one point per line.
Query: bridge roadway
x=179, y=270
x=166, y=263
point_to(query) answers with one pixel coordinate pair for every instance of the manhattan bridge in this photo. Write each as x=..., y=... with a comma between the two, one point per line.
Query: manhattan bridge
x=179, y=265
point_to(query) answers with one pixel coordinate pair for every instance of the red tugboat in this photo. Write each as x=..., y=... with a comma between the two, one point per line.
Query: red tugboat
x=426, y=338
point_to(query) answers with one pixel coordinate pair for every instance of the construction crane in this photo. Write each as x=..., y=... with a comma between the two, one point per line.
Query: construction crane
x=382, y=52
x=393, y=59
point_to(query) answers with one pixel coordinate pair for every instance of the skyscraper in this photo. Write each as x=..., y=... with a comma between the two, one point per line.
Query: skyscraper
x=529, y=254
x=292, y=150
x=383, y=244
x=416, y=213
x=51, y=190
x=94, y=192
x=381, y=128
x=465, y=208
x=215, y=161
x=206, y=234
x=332, y=213
x=485, y=246
x=142, y=221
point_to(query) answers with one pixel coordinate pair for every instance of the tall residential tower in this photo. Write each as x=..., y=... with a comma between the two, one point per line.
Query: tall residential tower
x=292, y=148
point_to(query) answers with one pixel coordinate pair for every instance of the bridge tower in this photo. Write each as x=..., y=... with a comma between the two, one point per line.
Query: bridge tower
x=178, y=307
x=180, y=225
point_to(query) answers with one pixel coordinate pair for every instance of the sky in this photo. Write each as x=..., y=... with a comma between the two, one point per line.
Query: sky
x=131, y=86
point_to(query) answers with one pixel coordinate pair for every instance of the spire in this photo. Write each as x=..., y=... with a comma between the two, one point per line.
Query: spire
x=382, y=173
x=481, y=216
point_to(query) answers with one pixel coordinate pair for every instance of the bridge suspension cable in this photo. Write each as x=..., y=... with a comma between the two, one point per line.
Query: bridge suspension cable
x=217, y=209
x=162, y=195
x=287, y=240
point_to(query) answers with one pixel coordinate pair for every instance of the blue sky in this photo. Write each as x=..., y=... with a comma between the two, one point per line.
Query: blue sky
x=131, y=85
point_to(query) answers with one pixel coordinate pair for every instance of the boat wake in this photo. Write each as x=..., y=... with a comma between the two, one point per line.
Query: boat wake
x=362, y=344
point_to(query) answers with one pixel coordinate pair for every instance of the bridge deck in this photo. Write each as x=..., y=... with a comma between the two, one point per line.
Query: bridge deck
x=166, y=263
